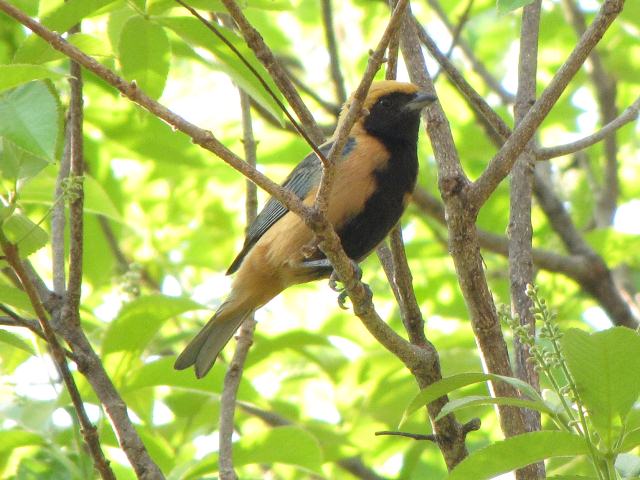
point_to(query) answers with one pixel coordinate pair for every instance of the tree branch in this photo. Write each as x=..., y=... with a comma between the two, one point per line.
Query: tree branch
x=280, y=77
x=463, y=239
x=245, y=335
x=629, y=115
x=502, y=162
x=88, y=430
x=476, y=64
x=520, y=229
x=605, y=86
x=332, y=48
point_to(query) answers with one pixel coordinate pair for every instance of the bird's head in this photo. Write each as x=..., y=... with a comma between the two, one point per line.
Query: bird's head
x=392, y=110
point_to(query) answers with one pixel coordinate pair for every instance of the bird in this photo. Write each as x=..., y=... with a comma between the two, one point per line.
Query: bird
x=375, y=175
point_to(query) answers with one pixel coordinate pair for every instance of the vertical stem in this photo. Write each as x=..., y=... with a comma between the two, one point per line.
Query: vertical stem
x=520, y=229
x=245, y=336
x=332, y=47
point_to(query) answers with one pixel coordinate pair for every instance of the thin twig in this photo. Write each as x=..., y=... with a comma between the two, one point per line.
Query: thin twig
x=245, y=335
x=455, y=37
x=355, y=107
x=606, y=89
x=629, y=115
x=476, y=64
x=304, y=115
x=279, y=76
x=332, y=49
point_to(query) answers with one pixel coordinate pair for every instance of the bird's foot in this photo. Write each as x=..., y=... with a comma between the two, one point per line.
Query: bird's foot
x=343, y=295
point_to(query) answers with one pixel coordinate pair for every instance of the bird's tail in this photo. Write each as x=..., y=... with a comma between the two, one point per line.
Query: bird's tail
x=203, y=350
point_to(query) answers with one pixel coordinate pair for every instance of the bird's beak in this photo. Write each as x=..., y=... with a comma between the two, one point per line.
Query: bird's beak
x=420, y=101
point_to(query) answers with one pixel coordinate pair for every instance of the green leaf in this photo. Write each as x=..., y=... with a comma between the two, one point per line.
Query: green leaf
x=28, y=236
x=41, y=188
x=162, y=373
x=15, y=297
x=630, y=440
x=449, y=384
x=12, y=439
x=476, y=400
x=195, y=34
x=16, y=341
x=17, y=164
x=13, y=75
x=71, y=12
x=139, y=320
x=506, y=6
x=517, y=452
x=605, y=368
x=144, y=54
x=289, y=445
x=36, y=50
x=30, y=116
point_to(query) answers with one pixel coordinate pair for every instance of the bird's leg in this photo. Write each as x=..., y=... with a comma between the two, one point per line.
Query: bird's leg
x=334, y=280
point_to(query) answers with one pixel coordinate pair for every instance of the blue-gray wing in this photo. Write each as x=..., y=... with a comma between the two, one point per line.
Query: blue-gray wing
x=302, y=179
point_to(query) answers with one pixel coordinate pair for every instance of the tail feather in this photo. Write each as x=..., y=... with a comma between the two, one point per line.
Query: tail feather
x=203, y=350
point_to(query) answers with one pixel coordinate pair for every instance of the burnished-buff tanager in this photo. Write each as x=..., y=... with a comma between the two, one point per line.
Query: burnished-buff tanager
x=374, y=178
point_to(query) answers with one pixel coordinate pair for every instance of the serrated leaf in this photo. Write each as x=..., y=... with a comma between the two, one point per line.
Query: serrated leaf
x=477, y=400
x=605, y=367
x=41, y=188
x=13, y=75
x=289, y=445
x=506, y=6
x=15, y=297
x=144, y=54
x=517, y=452
x=30, y=117
x=28, y=236
x=139, y=320
x=16, y=341
x=449, y=384
x=195, y=34
x=17, y=164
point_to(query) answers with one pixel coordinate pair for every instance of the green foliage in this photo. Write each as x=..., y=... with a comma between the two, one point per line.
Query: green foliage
x=174, y=217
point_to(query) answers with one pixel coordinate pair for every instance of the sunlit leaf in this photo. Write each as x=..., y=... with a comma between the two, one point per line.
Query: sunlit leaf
x=30, y=117
x=144, y=54
x=16, y=341
x=449, y=384
x=27, y=235
x=516, y=452
x=13, y=75
x=477, y=400
x=605, y=367
x=139, y=320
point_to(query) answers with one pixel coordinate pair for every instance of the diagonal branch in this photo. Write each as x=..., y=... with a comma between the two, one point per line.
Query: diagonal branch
x=629, y=115
x=88, y=430
x=502, y=162
x=280, y=77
